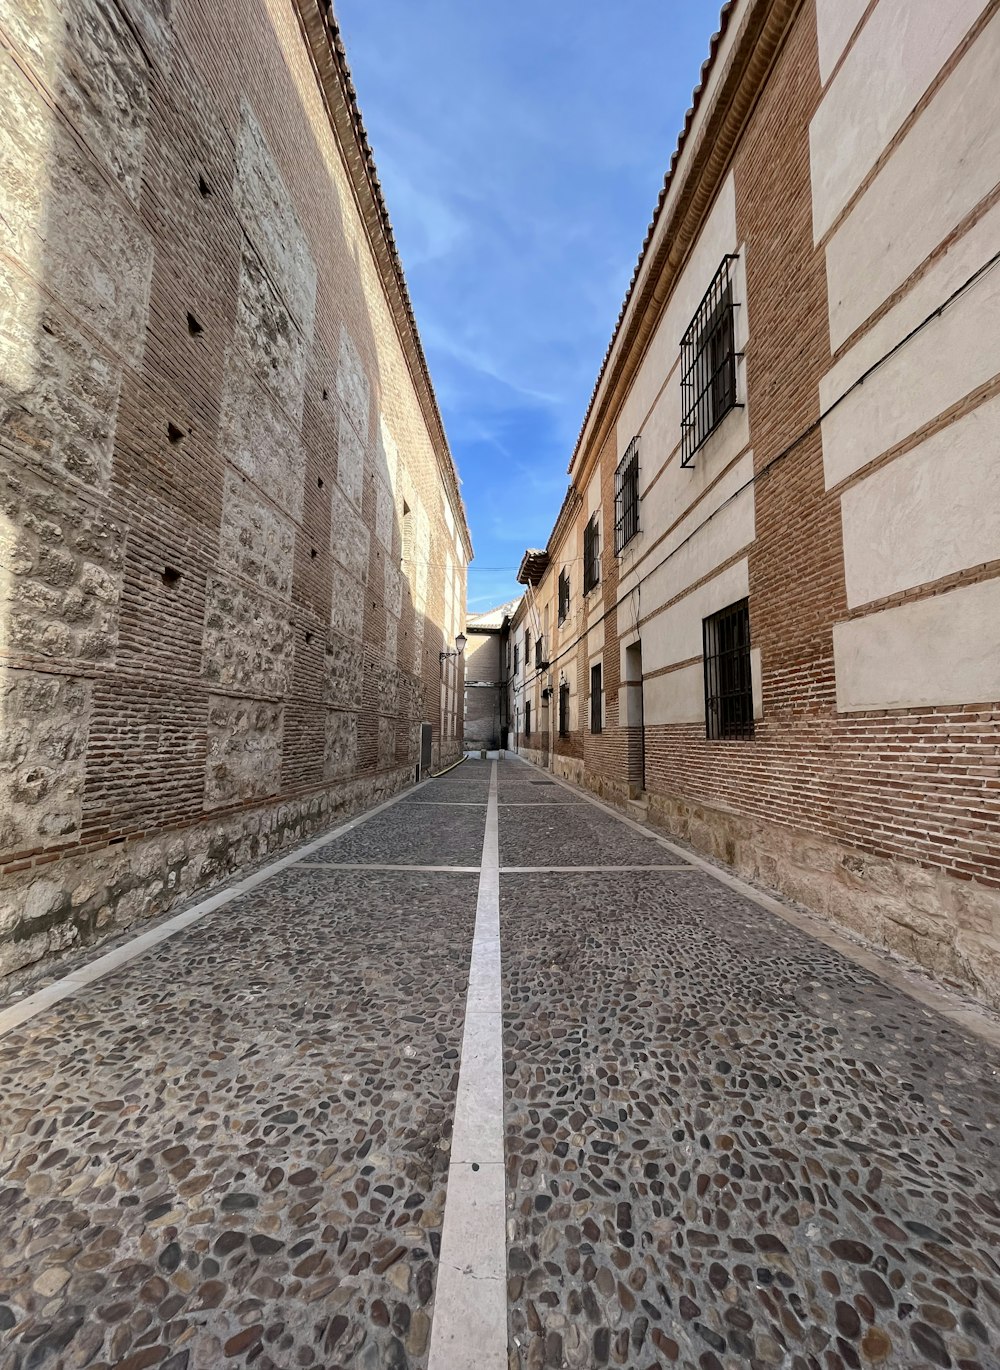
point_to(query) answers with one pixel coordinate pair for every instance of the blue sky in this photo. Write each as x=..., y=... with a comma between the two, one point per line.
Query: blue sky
x=521, y=149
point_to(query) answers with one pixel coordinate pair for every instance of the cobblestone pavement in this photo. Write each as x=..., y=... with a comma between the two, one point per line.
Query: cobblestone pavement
x=727, y=1146
x=234, y=1149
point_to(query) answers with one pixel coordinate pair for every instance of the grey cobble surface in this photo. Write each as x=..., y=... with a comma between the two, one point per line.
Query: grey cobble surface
x=728, y=1146
x=411, y=835
x=574, y=836
x=233, y=1150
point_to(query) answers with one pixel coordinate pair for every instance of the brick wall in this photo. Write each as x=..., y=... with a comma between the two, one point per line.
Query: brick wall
x=225, y=498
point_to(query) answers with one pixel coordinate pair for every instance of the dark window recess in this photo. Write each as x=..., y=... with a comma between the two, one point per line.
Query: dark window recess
x=174, y=434
x=728, y=679
x=591, y=555
x=539, y=654
x=596, y=721
x=517, y=653
x=564, y=710
x=194, y=327
x=527, y=718
x=563, y=595
x=708, y=364
x=527, y=650
x=627, y=496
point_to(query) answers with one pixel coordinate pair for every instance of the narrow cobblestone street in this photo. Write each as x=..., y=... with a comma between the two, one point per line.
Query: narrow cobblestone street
x=724, y=1144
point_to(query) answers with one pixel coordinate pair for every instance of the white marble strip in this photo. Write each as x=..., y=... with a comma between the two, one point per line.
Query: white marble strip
x=469, y=1329
x=364, y=866
x=18, y=1013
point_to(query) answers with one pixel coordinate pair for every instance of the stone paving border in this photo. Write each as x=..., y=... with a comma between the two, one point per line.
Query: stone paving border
x=18, y=1013
x=962, y=1014
x=469, y=1328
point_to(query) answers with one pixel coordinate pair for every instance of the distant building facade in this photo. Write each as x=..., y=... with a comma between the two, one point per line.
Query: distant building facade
x=486, y=672
x=233, y=543
x=768, y=614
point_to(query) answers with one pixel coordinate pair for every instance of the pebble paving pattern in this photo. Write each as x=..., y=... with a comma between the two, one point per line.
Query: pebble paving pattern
x=577, y=836
x=234, y=1149
x=412, y=835
x=728, y=1146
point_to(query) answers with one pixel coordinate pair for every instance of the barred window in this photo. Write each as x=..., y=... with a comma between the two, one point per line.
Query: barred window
x=627, y=496
x=708, y=364
x=596, y=720
x=728, y=678
x=539, y=653
x=527, y=650
x=563, y=595
x=591, y=555
x=527, y=718
x=517, y=662
x=563, y=710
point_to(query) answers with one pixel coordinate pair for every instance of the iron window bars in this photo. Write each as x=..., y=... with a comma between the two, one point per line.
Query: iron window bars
x=708, y=364
x=596, y=722
x=527, y=651
x=527, y=718
x=517, y=658
x=539, y=653
x=627, y=496
x=564, y=710
x=728, y=678
x=591, y=555
x=563, y=595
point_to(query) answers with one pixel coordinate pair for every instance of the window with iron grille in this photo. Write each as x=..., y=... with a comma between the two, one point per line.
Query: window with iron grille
x=539, y=653
x=563, y=595
x=596, y=721
x=527, y=651
x=517, y=661
x=563, y=710
x=591, y=555
x=527, y=718
x=708, y=364
x=627, y=496
x=728, y=679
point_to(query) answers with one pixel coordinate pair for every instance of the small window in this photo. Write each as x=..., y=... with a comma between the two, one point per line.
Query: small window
x=527, y=650
x=728, y=678
x=563, y=595
x=627, y=496
x=527, y=718
x=596, y=719
x=539, y=654
x=564, y=710
x=517, y=663
x=708, y=364
x=591, y=555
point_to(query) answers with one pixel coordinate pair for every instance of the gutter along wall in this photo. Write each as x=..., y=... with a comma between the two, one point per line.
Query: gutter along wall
x=234, y=541
x=860, y=522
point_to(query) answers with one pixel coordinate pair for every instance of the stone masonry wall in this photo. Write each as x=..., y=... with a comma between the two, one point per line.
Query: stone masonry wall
x=223, y=506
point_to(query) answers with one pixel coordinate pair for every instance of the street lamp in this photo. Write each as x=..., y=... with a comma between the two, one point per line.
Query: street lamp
x=460, y=641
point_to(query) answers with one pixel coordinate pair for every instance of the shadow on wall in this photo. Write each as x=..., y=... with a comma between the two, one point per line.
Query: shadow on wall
x=219, y=615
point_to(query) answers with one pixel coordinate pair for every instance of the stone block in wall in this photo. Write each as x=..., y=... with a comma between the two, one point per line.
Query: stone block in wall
x=58, y=396
x=350, y=540
x=386, y=455
x=61, y=568
x=258, y=437
x=386, y=742
x=386, y=688
x=350, y=460
x=248, y=642
x=343, y=673
x=86, y=54
x=347, y=609
x=391, y=637
x=43, y=745
x=385, y=512
x=265, y=207
x=268, y=339
x=393, y=582
x=352, y=385
x=255, y=541
x=55, y=221
x=340, y=754
x=243, y=760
